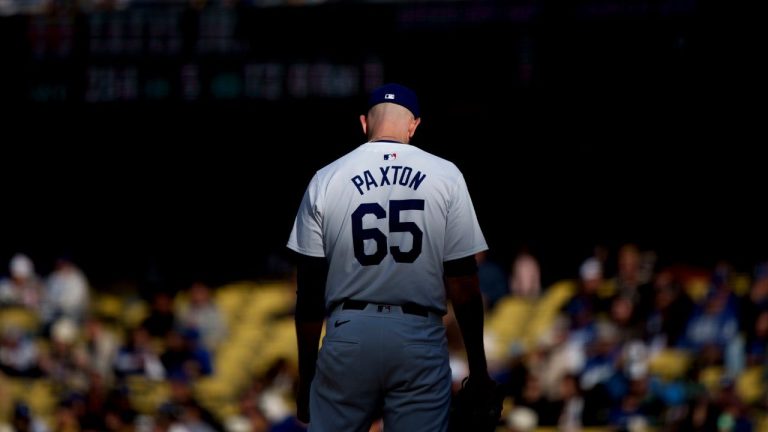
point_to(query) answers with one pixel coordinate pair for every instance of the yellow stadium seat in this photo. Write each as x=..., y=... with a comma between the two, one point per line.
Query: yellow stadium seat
x=109, y=306
x=134, y=312
x=710, y=377
x=558, y=293
x=697, y=288
x=749, y=384
x=740, y=283
x=670, y=364
x=19, y=317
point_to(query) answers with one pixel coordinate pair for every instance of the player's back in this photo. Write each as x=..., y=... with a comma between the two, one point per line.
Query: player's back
x=385, y=214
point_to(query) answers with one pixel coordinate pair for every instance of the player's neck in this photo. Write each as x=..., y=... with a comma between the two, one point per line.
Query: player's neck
x=388, y=138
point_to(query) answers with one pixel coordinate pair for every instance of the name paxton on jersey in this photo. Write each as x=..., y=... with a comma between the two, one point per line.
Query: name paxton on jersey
x=389, y=175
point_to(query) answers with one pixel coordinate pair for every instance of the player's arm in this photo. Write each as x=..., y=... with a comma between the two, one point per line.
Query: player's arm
x=311, y=273
x=463, y=290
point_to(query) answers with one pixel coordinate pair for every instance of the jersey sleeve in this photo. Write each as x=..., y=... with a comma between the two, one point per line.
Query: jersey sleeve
x=307, y=235
x=463, y=236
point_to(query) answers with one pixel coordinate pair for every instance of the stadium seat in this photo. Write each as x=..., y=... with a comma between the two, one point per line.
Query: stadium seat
x=669, y=363
x=21, y=318
x=750, y=384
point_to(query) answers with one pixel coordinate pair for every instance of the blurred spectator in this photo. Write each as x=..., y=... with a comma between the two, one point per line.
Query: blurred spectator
x=138, y=357
x=532, y=396
x=701, y=415
x=570, y=407
x=493, y=280
x=635, y=358
x=525, y=277
x=630, y=275
x=119, y=414
x=161, y=318
x=586, y=304
x=23, y=420
x=250, y=406
x=521, y=419
x=721, y=282
x=513, y=374
x=19, y=355
x=291, y=424
x=66, y=417
x=279, y=381
x=629, y=266
x=630, y=412
x=757, y=341
x=67, y=293
x=24, y=287
x=755, y=303
x=733, y=413
x=167, y=419
x=201, y=313
x=241, y=423
x=601, y=252
x=622, y=313
x=710, y=329
x=253, y=414
x=183, y=412
x=94, y=403
x=66, y=363
x=558, y=353
x=101, y=347
x=603, y=353
x=667, y=318
x=721, y=411
x=184, y=355
x=633, y=280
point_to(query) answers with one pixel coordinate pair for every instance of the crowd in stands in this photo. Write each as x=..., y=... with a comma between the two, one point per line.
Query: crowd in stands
x=640, y=348
x=627, y=346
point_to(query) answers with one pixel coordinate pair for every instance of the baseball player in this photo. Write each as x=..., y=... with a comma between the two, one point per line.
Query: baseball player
x=383, y=234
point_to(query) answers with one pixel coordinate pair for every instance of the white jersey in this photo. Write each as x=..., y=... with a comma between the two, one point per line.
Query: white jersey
x=386, y=216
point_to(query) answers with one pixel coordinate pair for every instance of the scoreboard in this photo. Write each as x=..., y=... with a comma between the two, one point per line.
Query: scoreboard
x=180, y=53
x=225, y=51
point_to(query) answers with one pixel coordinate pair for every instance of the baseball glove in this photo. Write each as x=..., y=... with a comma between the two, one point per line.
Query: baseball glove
x=476, y=407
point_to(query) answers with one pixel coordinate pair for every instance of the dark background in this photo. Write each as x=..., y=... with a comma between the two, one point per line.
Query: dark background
x=575, y=125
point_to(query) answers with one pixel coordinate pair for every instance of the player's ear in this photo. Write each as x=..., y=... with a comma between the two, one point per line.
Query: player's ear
x=364, y=123
x=412, y=126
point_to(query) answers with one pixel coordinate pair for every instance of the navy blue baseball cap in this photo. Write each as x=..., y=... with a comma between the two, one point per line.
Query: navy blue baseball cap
x=396, y=94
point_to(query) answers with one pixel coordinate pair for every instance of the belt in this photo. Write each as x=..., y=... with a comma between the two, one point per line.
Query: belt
x=409, y=308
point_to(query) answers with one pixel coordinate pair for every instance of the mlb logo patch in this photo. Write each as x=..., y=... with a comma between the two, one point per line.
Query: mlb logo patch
x=389, y=96
x=390, y=156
